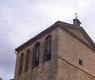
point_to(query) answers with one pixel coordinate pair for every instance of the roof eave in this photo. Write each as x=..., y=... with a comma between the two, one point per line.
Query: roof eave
x=38, y=36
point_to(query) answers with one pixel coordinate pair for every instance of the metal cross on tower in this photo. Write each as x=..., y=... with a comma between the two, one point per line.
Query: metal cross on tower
x=76, y=15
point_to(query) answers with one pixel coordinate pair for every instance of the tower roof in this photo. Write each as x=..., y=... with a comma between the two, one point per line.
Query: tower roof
x=77, y=32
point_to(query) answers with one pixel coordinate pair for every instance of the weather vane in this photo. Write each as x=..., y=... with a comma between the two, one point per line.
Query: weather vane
x=76, y=15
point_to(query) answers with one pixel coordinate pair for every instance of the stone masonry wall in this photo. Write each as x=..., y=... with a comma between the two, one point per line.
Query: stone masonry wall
x=67, y=71
x=71, y=50
x=46, y=71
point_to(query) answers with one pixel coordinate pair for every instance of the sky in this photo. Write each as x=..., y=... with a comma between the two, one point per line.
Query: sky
x=20, y=20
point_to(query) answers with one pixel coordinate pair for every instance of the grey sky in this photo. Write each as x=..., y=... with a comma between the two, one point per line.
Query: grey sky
x=20, y=20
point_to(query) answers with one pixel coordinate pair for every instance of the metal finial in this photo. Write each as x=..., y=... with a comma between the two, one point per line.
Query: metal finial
x=76, y=15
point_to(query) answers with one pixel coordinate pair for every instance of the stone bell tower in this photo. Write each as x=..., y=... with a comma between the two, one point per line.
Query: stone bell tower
x=63, y=51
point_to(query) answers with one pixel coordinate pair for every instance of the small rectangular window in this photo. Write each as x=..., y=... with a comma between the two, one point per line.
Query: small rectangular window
x=80, y=62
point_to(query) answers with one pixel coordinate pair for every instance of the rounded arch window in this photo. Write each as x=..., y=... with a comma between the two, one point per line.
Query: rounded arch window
x=47, y=48
x=36, y=54
x=21, y=63
x=27, y=60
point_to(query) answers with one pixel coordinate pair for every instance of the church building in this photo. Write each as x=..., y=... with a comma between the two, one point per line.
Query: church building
x=63, y=51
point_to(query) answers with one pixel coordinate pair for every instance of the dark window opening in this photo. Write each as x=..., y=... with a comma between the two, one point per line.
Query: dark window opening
x=47, y=48
x=80, y=62
x=27, y=60
x=36, y=54
x=21, y=63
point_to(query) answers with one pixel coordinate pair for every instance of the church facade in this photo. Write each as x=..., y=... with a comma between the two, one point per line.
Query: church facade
x=61, y=52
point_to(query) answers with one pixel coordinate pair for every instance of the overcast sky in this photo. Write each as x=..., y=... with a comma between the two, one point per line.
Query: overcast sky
x=20, y=20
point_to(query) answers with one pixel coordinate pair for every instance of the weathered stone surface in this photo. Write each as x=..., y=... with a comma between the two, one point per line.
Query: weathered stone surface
x=67, y=71
x=45, y=70
x=64, y=63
